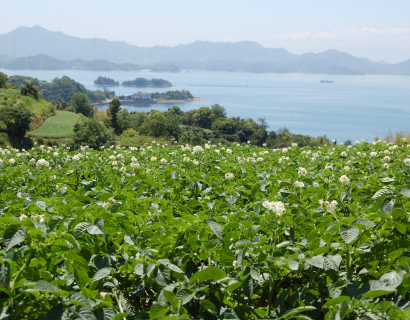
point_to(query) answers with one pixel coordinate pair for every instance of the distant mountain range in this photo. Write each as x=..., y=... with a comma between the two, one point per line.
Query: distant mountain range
x=240, y=56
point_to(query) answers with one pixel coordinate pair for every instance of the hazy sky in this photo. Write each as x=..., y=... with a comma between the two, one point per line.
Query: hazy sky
x=376, y=29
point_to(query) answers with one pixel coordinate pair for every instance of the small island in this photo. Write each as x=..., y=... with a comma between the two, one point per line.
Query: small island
x=104, y=81
x=138, y=82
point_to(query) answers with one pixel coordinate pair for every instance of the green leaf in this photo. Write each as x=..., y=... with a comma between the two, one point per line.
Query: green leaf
x=102, y=261
x=388, y=205
x=317, y=261
x=162, y=275
x=120, y=316
x=101, y=274
x=85, y=313
x=186, y=295
x=55, y=313
x=335, y=301
x=13, y=235
x=248, y=287
x=364, y=222
x=172, y=299
x=343, y=309
x=210, y=273
x=294, y=311
x=5, y=274
x=293, y=264
x=43, y=285
x=349, y=233
x=105, y=314
x=231, y=198
x=405, y=192
x=80, y=228
x=209, y=307
x=99, y=222
x=157, y=310
x=76, y=296
x=41, y=204
x=392, y=279
x=80, y=276
x=93, y=229
x=215, y=227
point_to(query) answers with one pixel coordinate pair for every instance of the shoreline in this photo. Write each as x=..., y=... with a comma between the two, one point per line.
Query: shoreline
x=127, y=102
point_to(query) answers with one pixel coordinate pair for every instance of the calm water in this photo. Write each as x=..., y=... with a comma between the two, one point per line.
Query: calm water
x=355, y=107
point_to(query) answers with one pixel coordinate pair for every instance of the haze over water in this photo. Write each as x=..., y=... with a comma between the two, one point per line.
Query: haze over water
x=354, y=107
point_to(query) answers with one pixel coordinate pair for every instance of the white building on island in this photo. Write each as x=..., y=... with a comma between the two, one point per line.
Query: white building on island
x=142, y=96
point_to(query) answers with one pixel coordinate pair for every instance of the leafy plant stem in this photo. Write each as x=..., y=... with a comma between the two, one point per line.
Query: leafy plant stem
x=13, y=282
x=271, y=286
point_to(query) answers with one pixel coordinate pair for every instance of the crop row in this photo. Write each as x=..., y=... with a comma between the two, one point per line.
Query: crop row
x=59, y=126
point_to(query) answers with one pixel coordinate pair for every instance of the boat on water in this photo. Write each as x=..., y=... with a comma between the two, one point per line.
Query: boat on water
x=327, y=81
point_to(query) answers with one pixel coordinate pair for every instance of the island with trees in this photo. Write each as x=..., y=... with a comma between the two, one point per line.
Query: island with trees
x=105, y=81
x=137, y=82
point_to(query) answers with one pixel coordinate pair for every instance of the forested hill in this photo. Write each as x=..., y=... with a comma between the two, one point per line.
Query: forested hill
x=45, y=62
x=61, y=89
x=77, y=53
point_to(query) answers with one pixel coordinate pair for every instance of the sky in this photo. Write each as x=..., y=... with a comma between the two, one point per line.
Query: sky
x=376, y=29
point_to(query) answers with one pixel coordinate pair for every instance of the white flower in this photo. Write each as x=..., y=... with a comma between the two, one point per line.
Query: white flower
x=386, y=165
x=104, y=294
x=344, y=179
x=22, y=217
x=260, y=159
x=294, y=144
x=135, y=165
x=264, y=145
x=76, y=157
x=373, y=154
x=334, y=141
x=217, y=151
x=248, y=142
x=407, y=161
x=198, y=149
x=229, y=175
x=153, y=159
x=302, y=171
x=196, y=162
x=163, y=161
x=186, y=159
x=235, y=264
x=346, y=168
x=329, y=166
x=343, y=154
x=42, y=163
x=114, y=163
x=299, y=184
x=12, y=160
x=277, y=207
x=229, y=151
x=386, y=159
x=357, y=142
x=284, y=150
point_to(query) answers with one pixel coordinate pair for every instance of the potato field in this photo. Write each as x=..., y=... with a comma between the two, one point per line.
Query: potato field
x=205, y=232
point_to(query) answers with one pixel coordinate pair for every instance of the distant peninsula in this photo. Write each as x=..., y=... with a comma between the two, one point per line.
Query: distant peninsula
x=104, y=81
x=45, y=62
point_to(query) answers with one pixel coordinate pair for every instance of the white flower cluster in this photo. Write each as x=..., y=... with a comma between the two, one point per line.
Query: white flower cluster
x=42, y=163
x=229, y=175
x=302, y=171
x=198, y=149
x=344, y=179
x=329, y=205
x=277, y=207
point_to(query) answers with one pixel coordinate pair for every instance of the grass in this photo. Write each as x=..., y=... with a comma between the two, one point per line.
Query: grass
x=59, y=126
x=183, y=126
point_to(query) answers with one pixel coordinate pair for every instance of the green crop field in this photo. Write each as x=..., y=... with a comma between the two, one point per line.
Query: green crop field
x=181, y=232
x=59, y=126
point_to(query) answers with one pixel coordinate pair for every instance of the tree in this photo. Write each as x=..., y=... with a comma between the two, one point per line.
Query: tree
x=92, y=133
x=193, y=136
x=29, y=89
x=16, y=119
x=3, y=80
x=204, y=117
x=219, y=111
x=224, y=125
x=113, y=109
x=155, y=125
x=188, y=117
x=80, y=104
x=263, y=122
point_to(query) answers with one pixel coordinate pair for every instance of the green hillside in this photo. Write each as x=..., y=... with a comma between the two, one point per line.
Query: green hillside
x=40, y=107
x=59, y=126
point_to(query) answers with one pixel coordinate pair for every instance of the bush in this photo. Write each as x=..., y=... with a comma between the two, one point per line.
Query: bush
x=131, y=138
x=92, y=133
x=16, y=119
x=80, y=104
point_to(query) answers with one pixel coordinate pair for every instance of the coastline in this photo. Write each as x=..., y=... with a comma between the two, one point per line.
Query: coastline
x=127, y=102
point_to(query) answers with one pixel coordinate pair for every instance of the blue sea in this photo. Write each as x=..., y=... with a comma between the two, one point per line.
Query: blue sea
x=354, y=107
